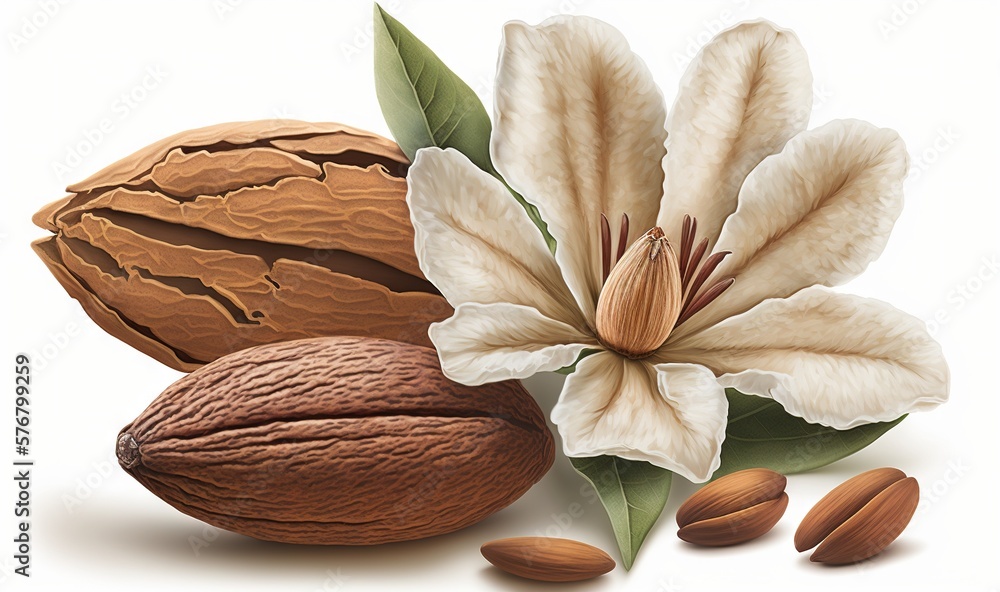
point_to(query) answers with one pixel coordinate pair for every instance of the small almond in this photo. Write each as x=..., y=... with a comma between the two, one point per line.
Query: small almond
x=548, y=559
x=860, y=518
x=733, y=509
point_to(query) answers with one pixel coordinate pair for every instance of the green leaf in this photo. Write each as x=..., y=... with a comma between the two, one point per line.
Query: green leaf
x=762, y=434
x=426, y=104
x=633, y=493
x=567, y=370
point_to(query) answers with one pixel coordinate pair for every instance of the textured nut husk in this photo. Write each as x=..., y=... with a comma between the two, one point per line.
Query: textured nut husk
x=841, y=503
x=337, y=440
x=873, y=528
x=733, y=509
x=242, y=234
x=548, y=559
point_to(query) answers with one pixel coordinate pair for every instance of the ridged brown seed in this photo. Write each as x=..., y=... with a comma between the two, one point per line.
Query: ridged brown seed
x=859, y=518
x=337, y=441
x=241, y=234
x=733, y=509
x=548, y=559
x=642, y=297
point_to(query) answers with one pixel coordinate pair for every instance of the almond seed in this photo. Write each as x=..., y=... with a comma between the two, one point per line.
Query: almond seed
x=860, y=518
x=548, y=559
x=840, y=504
x=733, y=509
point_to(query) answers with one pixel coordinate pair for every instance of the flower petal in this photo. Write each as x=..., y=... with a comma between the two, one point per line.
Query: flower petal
x=579, y=132
x=817, y=213
x=763, y=383
x=484, y=343
x=476, y=243
x=848, y=360
x=745, y=94
x=671, y=415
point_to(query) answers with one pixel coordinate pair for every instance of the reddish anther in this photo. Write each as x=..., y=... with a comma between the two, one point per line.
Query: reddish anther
x=605, y=248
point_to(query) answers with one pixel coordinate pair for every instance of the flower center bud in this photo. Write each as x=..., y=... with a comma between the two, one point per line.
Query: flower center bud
x=642, y=297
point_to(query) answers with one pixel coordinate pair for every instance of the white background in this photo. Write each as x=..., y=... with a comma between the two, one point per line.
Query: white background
x=928, y=69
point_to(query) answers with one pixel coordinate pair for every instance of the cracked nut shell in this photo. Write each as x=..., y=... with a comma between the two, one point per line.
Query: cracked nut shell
x=733, y=509
x=242, y=234
x=337, y=441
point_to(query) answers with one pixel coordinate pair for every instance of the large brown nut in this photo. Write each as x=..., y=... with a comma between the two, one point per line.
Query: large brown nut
x=337, y=440
x=241, y=234
x=733, y=509
x=860, y=517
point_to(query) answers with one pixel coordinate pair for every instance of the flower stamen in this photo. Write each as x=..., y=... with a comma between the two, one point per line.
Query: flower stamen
x=694, y=274
x=703, y=274
x=606, y=262
x=705, y=299
x=687, y=239
x=699, y=252
x=622, y=238
x=694, y=270
x=605, y=248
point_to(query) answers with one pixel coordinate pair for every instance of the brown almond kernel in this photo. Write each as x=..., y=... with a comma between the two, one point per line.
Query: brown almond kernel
x=548, y=559
x=733, y=509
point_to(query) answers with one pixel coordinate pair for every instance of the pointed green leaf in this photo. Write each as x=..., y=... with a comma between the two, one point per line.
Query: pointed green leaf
x=633, y=493
x=426, y=104
x=762, y=434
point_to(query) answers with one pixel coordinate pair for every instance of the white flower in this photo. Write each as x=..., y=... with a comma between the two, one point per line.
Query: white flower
x=580, y=132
